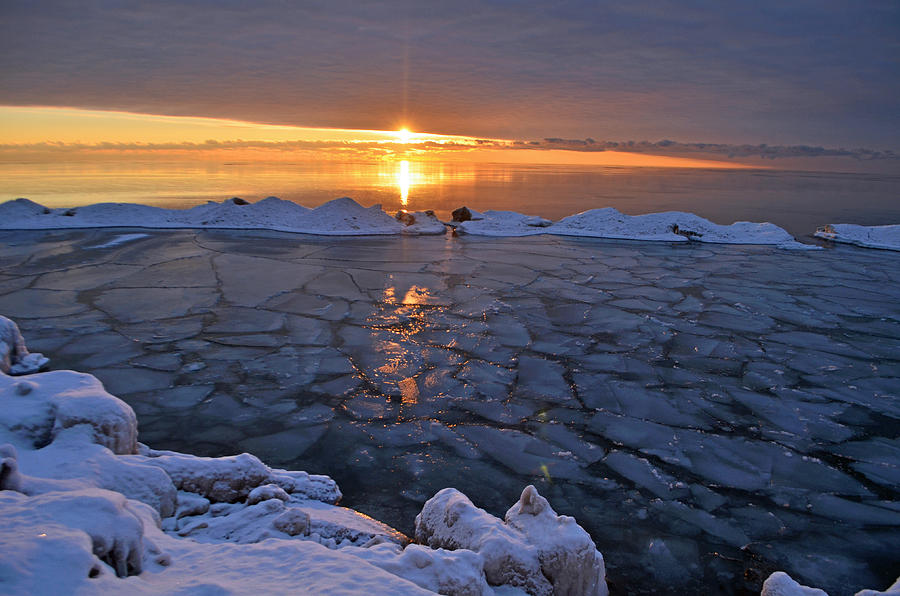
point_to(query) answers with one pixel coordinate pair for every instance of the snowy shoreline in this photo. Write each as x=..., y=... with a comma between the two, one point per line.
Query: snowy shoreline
x=346, y=217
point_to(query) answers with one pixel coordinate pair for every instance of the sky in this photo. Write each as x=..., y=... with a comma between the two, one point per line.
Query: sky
x=798, y=73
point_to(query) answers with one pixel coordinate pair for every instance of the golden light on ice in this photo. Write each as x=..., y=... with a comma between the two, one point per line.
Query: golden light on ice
x=403, y=180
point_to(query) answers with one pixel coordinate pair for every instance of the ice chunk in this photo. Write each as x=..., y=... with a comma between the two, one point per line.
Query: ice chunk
x=781, y=584
x=450, y=520
x=14, y=356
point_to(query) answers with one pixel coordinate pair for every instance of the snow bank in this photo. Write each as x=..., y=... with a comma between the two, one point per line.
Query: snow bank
x=885, y=237
x=340, y=217
x=346, y=217
x=671, y=226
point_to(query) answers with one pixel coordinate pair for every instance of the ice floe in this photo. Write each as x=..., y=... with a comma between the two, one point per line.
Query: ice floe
x=884, y=237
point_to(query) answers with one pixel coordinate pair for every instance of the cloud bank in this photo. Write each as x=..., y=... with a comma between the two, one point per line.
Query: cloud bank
x=785, y=73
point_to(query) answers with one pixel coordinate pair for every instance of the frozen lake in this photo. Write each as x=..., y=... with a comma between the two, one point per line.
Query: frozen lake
x=708, y=413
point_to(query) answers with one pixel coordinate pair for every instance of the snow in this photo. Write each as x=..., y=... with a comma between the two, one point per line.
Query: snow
x=14, y=356
x=346, y=217
x=340, y=217
x=884, y=237
x=671, y=226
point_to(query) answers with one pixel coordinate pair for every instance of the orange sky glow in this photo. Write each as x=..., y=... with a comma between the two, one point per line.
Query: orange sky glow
x=39, y=133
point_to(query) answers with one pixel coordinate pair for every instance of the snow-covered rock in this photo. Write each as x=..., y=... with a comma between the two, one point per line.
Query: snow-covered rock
x=36, y=409
x=885, y=237
x=15, y=358
x=568, y=556
x=534, y=550
x=232, y=478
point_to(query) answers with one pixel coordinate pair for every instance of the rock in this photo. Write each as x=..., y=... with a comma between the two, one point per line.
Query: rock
x=405, y=217
x=266, y=492
x=293, y=522
x=462, y=214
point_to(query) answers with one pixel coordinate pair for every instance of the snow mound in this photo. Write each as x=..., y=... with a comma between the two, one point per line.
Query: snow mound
x=233, y=478
x=671, y=226
x=884, y=237
x=114, y=529
x=36, y=410
x=340, y=217
x=14, y=356
x=505, y=223
x=455, y=573
x=534, y=550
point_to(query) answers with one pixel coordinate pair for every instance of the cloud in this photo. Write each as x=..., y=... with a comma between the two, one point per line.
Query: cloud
x=667, y=148
x=773, y=71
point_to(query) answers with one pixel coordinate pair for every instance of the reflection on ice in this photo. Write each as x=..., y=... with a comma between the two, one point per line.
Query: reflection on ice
x=713, y=411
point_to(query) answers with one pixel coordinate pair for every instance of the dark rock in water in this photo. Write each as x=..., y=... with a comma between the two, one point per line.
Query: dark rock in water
x=239, y=201
x=462, y=214
x=69, y=213
x=689, y=234
x=429, y=213
x=405, y=217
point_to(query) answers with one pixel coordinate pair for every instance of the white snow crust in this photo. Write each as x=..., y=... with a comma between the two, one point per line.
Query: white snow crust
x=340, y=217
x=346, y=217
x=884, y=237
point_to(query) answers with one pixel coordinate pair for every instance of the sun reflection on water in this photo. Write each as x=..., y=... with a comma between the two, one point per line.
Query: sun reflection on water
x=403, y=181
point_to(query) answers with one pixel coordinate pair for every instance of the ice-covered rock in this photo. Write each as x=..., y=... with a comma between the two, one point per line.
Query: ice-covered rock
x=219, y=479
x=885, y=237
x=568, y=556
x=15, y=358
x=266, y=492
x=35, y=410
x=534, y=549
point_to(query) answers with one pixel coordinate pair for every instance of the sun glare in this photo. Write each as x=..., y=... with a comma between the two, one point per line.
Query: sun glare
x=404, y=136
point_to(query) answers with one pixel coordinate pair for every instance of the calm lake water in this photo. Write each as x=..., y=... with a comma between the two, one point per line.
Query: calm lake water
x=796, y=201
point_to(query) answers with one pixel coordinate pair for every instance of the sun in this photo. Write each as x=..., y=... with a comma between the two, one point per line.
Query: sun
x=404, y=136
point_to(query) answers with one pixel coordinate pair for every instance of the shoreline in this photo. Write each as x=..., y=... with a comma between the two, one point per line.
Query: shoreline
x=345, y=217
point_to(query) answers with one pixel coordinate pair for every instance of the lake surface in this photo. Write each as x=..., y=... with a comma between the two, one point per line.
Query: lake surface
x=796, y=201
x=708, y=413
